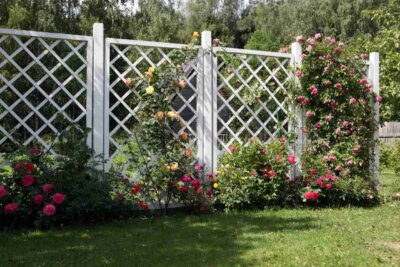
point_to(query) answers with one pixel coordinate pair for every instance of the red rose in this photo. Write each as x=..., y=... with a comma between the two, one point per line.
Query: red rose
x=28, y=180
x=35, y=151
x=19, y=166
x=309, y=195
x=136, y=189
x=204, y=207
x=30, y=167
x=10, y=208
x=170, y=184
x=58, y=198
x=49, y=210
x=3, y=191
x=38, y=199
x=199, y=191
x=47, y=188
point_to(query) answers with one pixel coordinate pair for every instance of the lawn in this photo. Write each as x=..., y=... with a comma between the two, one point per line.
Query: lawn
x=287, y=237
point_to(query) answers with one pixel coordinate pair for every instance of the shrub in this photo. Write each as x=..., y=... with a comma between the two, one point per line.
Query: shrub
x=44, y=190
x=256, y=175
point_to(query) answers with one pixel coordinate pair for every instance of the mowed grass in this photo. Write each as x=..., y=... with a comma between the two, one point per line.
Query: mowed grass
x=286, y=237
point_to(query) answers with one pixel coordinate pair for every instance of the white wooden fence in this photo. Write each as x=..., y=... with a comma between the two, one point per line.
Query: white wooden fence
x=83, y=79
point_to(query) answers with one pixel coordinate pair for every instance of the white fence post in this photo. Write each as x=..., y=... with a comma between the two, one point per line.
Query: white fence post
x=209, y=103
x=373, y=76
x=299, y=140
x=98, y=88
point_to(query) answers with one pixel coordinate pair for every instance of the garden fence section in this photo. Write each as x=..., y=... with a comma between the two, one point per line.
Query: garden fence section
x=48, y=80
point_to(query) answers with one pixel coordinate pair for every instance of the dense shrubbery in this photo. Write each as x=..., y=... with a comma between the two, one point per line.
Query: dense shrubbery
x=389, y=158
x=256, y=175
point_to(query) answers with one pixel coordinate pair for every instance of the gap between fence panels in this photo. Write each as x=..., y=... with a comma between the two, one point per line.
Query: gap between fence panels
x=214, y=104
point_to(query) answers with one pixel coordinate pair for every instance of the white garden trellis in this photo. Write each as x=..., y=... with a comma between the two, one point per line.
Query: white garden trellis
x=85, y=83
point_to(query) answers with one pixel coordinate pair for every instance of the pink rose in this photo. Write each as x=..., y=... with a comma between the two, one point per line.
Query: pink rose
x=338, y=86
x=314, y=90
x=186, y=179
x=337, y=131
x=232, y=149
x=304, y=129
x=299, y=73
x=363, y=56
x=363, y=81
x=353, y=101
x=303, y=56
x=338, y=168
x=327, y=69
x=283, y=139
x=349, y=163
x=3, y=191
x=379, y=99
x=195, y=184
x=328, y=186
x=58, y=198
x=198, y=167
x=327, y=83
x=291, y=159
x=328, y=117
x=38, y=199
x=282, y=50
x=318, y=125
x=345, y=123
x=10, y=208
x=311, y=195
x=336, y=50
x=311, y=41
x=299, y=38
x=328, y=56
x=49, y=210
x=305, y=102
x=47, y=188
x=318, y=36
x=309, y=48
x=309, y=114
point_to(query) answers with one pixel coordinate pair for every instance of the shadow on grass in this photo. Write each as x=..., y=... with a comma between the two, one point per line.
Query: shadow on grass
x=211, y=240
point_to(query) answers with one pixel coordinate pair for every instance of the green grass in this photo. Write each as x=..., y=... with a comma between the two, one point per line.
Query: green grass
x=325, y=237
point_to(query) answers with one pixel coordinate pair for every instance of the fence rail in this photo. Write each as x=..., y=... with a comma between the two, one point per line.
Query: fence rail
x=390, y=132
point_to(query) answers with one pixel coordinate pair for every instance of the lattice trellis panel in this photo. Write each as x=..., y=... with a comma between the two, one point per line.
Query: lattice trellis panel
x=133, y=60
x=252, y=98
x=43, y=86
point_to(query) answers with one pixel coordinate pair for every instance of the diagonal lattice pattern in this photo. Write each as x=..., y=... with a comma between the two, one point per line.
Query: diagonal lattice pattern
x=133, y=61
x=43, y=87
x=252, y=98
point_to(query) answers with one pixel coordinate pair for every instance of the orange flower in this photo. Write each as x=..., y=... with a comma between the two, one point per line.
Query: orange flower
x=181, y=84
x=128, y=82
x=188, y=152
x=159, y=115
x=184, y=136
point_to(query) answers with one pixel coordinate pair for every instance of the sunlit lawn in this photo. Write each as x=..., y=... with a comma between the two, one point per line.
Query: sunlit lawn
x=326, y=237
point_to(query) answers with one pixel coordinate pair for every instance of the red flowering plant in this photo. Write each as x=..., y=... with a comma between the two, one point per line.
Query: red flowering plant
x=336, y=98
x=256, y=175
x=26, y=193
x=161, y=152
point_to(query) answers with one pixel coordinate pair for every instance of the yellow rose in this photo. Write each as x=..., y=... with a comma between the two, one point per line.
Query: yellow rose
x=150, y=90
x=159, y=115
x=227, y=166
x=180, y=184
x=174, y=166
x=196, y=35
x=150, y=70
x=167, y=168
x=171, y=114
x=215, y=185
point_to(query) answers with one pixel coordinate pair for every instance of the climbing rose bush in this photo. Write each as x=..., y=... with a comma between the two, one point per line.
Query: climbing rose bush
x=336, y=98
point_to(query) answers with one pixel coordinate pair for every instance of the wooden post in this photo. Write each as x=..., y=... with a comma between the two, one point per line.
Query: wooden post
x=373, y=76
x=300, y=139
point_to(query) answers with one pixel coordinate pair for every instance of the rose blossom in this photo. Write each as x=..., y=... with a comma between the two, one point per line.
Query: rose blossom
x=327, y=83
x=10, y=208
x=337, y=131
x=345, y=123
x=353, y=101
x=291, y=159
x=283, y=139
x=314, y=90
x=336, y=50
x=311, y=195
x=3, y=191
x=38, y=199
x=364, y=56
x=309, y=114
x=328, y=57
x=232, y=149
x=299, y=73
x=198, y=167
x=47, y=188
x=328, y=117
x=309, y=48
x=49, y=210
x=58, y=198
x=349, y=163
x=318, y=36
x=363, y=81
x=303, y=56
x=299, y=38
x=28, y=180
x=30, y=167
x=379, y=98
x=186, y=179
x=338, y=86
